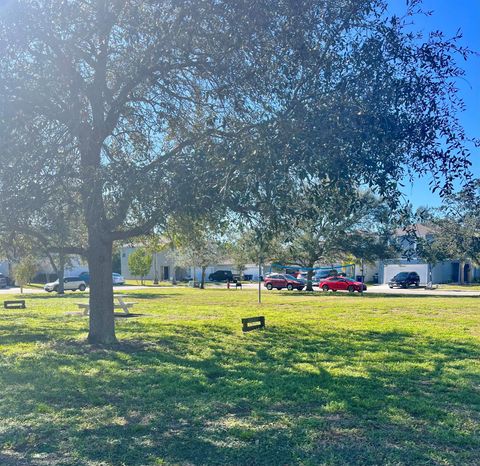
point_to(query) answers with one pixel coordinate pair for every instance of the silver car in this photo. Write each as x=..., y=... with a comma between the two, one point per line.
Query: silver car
x=69, y=283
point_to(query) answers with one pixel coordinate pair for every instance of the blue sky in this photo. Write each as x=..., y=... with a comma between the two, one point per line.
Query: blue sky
x=448, y=16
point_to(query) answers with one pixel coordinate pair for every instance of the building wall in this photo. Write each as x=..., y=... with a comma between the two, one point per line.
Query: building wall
x=4, y=268
x=442, y=272
x=388, y=269
x=162, y=261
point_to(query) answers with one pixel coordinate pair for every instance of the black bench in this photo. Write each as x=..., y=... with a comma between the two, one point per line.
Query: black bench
x=19, y=304
x=238, y=285
x=249, y=320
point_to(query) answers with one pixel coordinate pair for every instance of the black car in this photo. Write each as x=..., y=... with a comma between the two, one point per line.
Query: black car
x=404, y=280
x=221, y=276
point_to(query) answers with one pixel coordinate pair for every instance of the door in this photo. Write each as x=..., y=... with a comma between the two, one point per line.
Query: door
x=342, y=284
x=166, y=272
x=281, y=282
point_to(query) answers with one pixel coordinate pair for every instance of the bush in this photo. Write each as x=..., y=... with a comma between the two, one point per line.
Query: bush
x=24, y=271
x=139, y=263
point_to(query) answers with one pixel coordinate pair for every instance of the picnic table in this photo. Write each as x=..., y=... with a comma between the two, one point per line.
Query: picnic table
x=118, y=303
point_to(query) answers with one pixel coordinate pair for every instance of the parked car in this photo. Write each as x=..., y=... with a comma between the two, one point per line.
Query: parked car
x=221, y=276
x=279, y=281
x=341, y=283
x=69, y=283
x=118, y=279
x=323, y=274
x=405, y=279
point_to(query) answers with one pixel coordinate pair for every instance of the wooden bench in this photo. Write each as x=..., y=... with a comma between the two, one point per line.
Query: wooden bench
x=249, y=320
x=14, y=304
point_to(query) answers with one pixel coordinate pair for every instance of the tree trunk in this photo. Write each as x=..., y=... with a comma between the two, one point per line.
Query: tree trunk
x=202, y=283
x=102, y=323
x=174, y=274
x=61, y=274
x=461, y=266
x=155, y=269
x=310, y=278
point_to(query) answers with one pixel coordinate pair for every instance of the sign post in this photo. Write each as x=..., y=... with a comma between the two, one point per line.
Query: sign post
x=259, y=281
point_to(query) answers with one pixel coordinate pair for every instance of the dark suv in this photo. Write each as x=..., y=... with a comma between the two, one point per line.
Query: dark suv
x=404, y=280
x=221, y=276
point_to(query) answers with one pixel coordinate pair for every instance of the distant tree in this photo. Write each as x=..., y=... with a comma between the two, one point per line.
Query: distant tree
x=117, y=261
x=24, y=271
x=350, y=224
x=257, y=244
x=455, y=230
x=140, y=263
x=199, y=249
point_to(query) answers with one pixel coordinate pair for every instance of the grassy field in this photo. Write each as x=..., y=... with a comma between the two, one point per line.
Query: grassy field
x=332, y=380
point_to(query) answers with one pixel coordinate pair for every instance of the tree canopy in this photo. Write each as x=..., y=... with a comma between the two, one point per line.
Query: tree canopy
x=146, y=109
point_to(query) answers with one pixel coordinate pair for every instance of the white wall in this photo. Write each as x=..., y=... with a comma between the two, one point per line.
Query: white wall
x=391, y=270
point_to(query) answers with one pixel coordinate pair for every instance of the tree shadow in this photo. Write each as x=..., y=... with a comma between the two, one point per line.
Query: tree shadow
x=84, y=296
x=211, y=395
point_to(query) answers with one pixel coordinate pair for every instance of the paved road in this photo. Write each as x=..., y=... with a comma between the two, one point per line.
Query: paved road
x=15, y=290
x=384, y=289
x=372, y=289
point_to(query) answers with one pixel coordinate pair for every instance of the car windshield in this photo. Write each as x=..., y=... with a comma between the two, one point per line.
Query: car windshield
x=401, y=276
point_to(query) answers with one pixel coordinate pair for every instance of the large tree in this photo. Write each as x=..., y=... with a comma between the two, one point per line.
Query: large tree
x=160, y=107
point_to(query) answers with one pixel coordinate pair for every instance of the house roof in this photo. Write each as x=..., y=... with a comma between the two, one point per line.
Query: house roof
x=420, y=229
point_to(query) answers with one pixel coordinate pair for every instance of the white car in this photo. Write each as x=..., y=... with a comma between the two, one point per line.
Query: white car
x=69, y=283
x=117, y=279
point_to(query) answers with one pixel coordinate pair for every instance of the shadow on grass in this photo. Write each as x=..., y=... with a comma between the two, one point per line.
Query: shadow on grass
x=81, y=295
x=210, y=395
x=367, y=295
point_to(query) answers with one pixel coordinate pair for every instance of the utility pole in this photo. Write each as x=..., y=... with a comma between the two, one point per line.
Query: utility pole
x=259, y=280
x=362, y=275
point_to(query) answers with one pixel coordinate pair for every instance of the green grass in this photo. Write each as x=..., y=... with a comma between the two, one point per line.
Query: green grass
x=456, y=287
x=332, y=380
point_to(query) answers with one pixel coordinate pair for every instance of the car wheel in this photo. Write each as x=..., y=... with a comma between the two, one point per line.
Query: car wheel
x=289, y=287
x=351, y=289
x=269, y=286
x=82, y=287
x=390, y=286
x=325, y=287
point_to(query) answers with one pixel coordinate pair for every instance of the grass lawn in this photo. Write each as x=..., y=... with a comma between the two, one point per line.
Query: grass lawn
x=332, y=380
x=467, y=287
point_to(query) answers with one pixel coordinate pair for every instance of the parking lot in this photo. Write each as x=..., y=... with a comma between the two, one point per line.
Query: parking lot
x=384, y=289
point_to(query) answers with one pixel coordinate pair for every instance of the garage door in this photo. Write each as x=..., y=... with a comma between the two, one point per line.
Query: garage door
x=392, y=269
